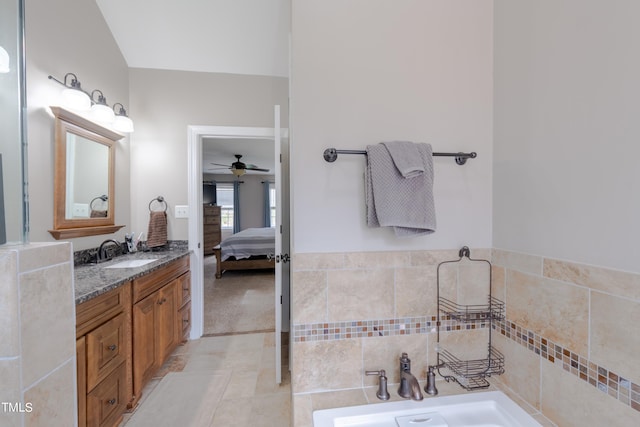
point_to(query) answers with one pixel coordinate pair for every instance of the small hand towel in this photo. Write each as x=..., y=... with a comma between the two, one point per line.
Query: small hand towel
x=98, y=214
x=157, y=234
x=406, y=204
x=406, y=157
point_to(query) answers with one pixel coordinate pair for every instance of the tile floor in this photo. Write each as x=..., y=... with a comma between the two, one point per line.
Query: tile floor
x=251, y=397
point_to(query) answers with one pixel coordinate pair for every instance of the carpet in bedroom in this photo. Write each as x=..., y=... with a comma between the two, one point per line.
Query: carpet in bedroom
x=238, y=302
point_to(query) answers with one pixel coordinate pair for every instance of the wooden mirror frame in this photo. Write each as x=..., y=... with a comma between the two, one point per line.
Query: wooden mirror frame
x=63, y=228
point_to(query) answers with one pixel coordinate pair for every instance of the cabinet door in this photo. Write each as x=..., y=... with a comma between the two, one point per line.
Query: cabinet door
x=105, y=350
x=184, y=289
x=167, y=320
x=81, y=364
x=107, y=402
x=144, y=342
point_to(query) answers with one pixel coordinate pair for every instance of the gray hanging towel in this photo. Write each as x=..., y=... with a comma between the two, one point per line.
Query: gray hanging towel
x=406, y=204
x=157, y=233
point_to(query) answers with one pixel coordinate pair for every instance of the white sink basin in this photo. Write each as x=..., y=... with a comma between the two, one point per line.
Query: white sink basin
x=131, y=263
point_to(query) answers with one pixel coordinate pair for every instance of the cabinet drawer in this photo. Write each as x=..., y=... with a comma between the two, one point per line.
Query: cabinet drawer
x=211, y=220
x=107, y=402
x=151, y=282
x=184, y=289
x=96, y=311
x=106, y=349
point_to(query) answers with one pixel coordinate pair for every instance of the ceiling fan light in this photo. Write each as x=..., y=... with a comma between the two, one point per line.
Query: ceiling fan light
x=238, y=172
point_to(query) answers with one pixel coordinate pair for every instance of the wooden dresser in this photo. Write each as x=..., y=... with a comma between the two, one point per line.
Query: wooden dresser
x=211, y=228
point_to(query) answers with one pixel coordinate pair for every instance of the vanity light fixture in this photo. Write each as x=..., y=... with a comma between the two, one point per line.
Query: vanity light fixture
x=100, y=110
x=4, y=61
x=76, y=98
x=122, y=122
x=73, y=96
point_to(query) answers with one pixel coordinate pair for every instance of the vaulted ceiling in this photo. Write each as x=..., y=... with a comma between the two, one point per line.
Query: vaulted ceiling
x=220, y=36
x=217, y=36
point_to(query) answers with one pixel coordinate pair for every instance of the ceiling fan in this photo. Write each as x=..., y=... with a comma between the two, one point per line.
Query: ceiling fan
x=238, y=168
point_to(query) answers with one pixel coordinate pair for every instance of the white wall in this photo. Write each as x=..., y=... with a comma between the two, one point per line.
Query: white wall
x=365, y=71
x=251, y=196
x=566, y=178
x=164, y=104
x=59, y=42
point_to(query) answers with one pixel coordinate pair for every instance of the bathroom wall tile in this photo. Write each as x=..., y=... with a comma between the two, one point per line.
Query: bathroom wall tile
x=360, y=294
x=338, y=399
x=52, y=406
x=415, y=291
x=570, y=401
x=498, y=283
x=302, y=410
x=466, y=345
x=384, y=353
x=517, y=261
x=473, y=282
x=10, y=390
x=552, y=309
x=611, y=281
x=448, y=282
x=326, y=365
x=423, y=258
x=317, y=261
x=377, y=259
x=9, y=305
x=47, y=320
x=521, y=370
x=40, y=255
x=614, y=343
x=309, y=297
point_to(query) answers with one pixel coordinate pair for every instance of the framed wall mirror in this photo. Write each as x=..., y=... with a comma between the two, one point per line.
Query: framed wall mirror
x=84, y=177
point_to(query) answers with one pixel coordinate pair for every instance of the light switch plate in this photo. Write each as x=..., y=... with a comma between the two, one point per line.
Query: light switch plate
x=182, y=211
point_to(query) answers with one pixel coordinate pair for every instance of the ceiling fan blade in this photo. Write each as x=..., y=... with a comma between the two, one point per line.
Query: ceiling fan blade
x=255, y=168
x=218, y=164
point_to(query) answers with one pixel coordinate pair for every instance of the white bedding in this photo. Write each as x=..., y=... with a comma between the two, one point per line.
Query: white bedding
x=249, y=242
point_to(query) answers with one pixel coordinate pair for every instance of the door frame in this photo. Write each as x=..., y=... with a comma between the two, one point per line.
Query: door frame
x=195, y=134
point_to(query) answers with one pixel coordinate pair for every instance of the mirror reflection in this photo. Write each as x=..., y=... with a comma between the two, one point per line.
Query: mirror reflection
x=84, y=184
x=87, y=178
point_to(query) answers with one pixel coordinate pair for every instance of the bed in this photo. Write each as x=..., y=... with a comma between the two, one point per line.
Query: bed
x=249, y=249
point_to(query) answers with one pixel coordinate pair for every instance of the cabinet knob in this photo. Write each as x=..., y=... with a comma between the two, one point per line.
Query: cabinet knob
x=112, y=347
x=185, y=320
x=111, y=401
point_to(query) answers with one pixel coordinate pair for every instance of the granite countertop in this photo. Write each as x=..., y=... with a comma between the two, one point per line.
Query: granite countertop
x=92, y=280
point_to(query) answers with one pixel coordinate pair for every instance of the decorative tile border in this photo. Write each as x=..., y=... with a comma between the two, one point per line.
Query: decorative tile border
x=331, y=331
x=603, y=379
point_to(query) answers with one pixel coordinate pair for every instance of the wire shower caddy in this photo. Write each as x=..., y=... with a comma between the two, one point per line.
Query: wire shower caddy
x=469, y=374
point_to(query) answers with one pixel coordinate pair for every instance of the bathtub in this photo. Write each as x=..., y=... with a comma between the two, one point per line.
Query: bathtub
x=482, y=409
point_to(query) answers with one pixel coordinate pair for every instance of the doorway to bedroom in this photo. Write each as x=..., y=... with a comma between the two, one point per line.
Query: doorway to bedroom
x=213, y=296
x=237, y=202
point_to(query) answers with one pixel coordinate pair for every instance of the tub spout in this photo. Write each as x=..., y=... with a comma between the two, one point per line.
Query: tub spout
x=409, y=386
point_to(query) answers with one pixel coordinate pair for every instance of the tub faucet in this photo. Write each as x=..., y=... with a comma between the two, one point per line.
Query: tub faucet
x=409, y=387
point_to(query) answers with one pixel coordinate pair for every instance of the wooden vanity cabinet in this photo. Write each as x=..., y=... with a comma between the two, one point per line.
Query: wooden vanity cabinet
x=124, y=336
x=103, y=351
x=157, y=319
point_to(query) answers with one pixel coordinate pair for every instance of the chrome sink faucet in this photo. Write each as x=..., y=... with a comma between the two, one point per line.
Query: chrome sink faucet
x=103, y=253
x=409, y=386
